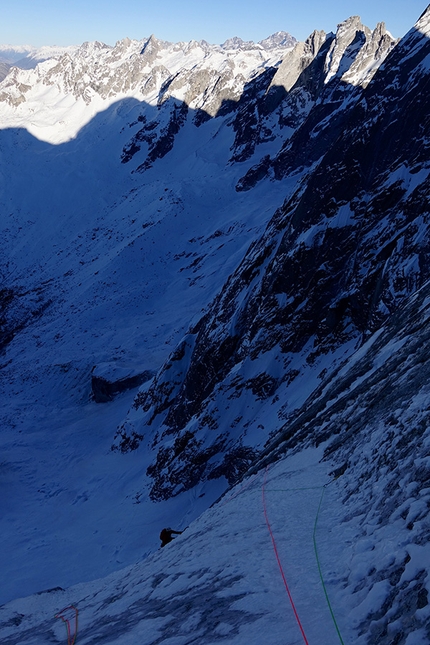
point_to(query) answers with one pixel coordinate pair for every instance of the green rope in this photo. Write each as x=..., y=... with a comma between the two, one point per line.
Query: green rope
x=319, y=567
x=282, y=490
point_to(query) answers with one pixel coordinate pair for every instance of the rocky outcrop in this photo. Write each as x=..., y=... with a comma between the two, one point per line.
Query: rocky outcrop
x=292, y=69
x=13, y=89
x=351, y=36
x=375, y=49
x=110, y=379
x=314, y=89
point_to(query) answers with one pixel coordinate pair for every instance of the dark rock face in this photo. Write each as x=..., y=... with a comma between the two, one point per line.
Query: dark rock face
x=7, y=330
x=109, y=380
x=335, y=262
x=191, y=463
x=20, y=307
x=378, y=420
x=159, y=142
x=247, y=123
x=343, y=241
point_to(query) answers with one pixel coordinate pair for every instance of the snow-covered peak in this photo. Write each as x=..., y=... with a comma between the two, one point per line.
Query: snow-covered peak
x=238, y=43
x=278, y=39
x=423, y=22
x=350, y=37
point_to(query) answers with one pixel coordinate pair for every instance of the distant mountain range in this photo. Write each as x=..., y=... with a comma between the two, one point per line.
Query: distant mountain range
x=26, y=57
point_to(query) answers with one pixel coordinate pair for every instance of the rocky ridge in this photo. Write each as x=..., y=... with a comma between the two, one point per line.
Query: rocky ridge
x=340, y=257
x=143, y=68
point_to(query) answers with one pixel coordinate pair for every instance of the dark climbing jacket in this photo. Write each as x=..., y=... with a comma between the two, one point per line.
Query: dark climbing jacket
x=166, y=536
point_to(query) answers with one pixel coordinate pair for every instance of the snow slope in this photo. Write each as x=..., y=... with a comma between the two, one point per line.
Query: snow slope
x=340, y=522
x=77, y=270
x=219, y=580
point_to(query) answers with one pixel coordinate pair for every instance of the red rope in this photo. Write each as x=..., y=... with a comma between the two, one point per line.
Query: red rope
x=279, y=562
x=70, y=639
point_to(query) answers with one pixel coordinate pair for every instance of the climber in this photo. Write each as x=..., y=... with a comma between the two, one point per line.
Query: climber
x=166, y=536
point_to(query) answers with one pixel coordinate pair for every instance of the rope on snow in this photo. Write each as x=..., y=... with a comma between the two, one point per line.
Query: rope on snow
x=279, y=561
x=322, y=488
x=319, y=566
x=71, y=636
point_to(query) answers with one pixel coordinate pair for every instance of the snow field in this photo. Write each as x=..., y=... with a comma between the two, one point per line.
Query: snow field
x=219, y=580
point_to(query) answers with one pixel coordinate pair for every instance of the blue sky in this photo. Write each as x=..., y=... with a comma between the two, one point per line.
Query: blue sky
x=70, y=22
